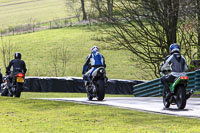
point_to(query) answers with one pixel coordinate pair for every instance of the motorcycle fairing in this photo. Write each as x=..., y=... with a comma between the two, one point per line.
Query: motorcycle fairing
x=94, y=73
x=176, y=82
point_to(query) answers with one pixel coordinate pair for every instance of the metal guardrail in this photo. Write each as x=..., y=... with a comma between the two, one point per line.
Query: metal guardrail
x=155, y=88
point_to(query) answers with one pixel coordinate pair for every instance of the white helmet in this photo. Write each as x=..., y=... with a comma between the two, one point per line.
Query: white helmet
x=174, y=47
x=94, y=49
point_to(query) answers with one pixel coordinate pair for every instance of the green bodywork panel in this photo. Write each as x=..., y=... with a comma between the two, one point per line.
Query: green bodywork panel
x=172, y=85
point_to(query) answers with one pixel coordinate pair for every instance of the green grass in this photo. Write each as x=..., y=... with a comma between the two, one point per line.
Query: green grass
x=17, y=12
x=61, y=95
x=39, y=48
x=20, y=12
x=39, y=116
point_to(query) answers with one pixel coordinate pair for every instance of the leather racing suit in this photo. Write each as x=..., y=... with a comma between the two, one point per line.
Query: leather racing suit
x=178, y=65
x=93, y=61
x=18, y=66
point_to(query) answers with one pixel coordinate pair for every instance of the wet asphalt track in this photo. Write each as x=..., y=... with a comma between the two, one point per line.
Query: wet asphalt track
x=147, y=104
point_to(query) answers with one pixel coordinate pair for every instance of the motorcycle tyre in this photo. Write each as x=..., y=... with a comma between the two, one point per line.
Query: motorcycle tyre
x=166, y=103
x=100, y=90
x=4, y=92
x=181, y=97
x=19, y=88
x=89, y=97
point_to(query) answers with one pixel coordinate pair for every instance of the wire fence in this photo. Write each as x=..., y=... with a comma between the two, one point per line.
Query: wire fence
x=55, y=24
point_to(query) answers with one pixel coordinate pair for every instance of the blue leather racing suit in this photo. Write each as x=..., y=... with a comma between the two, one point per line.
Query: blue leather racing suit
x=93, y=61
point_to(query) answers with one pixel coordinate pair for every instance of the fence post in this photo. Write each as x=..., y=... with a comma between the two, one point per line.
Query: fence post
x=33, y=27
x=50, y=24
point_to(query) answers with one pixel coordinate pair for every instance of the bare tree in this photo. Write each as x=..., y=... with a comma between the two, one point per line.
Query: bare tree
x=55, y=61
x=72, y=5
x=7, y=50
x=110, y=7
x=83, y=9
x=98, y=7
x=64, y=58
x=147, y=28
x=198, y=23
x=59, y=60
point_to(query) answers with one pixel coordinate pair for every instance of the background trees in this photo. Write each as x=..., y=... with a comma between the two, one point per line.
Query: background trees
x=103, y=7
x=83, y=9
x=148, y=27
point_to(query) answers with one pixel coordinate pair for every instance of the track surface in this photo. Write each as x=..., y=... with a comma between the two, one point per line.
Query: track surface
x=147, y=104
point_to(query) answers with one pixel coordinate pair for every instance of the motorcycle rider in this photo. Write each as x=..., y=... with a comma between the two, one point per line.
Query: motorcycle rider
x=177, y=65
x=93, y=61
x=17, y=65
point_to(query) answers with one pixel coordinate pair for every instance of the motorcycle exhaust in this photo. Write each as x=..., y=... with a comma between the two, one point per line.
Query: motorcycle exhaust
x=190, y=93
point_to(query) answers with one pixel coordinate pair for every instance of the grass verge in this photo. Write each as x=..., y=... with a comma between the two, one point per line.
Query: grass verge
x=17, y=12
x=61, y=95
x=33, y=116
x=38, y=51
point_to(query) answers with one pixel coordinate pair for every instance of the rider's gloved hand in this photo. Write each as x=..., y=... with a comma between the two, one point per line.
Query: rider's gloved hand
x=84, y=77
x=7, y=72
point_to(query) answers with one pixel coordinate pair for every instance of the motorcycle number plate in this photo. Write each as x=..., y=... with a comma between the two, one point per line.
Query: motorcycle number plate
x=19, y=79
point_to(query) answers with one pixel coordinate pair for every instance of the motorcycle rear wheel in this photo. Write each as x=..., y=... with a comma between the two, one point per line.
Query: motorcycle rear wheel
x=181, y=97
x=100, y=90
x=19, y=88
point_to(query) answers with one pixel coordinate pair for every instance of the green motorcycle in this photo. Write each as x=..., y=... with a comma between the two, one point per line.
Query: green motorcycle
x=179, y=95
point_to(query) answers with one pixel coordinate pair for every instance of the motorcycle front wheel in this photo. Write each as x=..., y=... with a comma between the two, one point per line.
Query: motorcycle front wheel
x=181, y=97
x=165, y=102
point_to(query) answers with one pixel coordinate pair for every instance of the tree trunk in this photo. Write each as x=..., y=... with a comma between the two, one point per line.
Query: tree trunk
x=110, y=7
x=83, y=10
x=172, y=9
x=198, y=25
x=99, y=8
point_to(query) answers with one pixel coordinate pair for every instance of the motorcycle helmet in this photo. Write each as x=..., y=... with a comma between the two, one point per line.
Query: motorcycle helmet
x=94, y=49
x=174, y=47
x=17, y=55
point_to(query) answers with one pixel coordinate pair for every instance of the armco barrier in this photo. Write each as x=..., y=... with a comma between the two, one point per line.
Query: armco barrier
x=155, y=88
x=74, y=84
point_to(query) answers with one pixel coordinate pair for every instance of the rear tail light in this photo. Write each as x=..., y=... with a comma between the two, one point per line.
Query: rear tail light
x=20, y=75
x=184, y=77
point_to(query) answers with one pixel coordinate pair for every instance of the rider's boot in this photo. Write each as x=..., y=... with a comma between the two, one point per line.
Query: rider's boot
x=168, y=95
x=190, y=93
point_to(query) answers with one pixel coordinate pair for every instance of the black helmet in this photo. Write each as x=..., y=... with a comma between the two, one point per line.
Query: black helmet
x=17, y=55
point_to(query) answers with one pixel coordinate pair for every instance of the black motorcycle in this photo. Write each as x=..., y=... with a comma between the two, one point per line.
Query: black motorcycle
x=4, y=87
x=96, y=87
x=16, y=86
